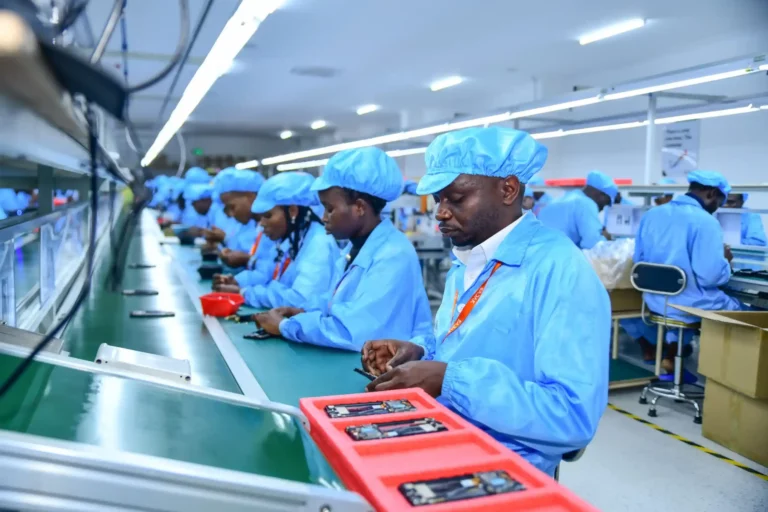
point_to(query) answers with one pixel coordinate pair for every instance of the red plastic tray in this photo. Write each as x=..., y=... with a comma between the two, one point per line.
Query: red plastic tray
x=376, y=468
x=580, y=182
x=221, y=304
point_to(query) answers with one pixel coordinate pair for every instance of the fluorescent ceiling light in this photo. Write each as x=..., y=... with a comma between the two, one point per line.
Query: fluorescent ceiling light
x=236, y=33
x=445, y=83
x=763, y=107
x=250, y=164
x=367, y=109
x=406, y=152
x=764, y=67
x=555, y=108
x=706, y=115
x=613, y=30
x=286, y=134
x=675, y=85
x=319, y=163
x=316, y=125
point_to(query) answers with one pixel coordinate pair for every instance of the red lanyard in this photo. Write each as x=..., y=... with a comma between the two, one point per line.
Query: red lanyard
x=256, y=243
x=470, y=305
x=278, y=271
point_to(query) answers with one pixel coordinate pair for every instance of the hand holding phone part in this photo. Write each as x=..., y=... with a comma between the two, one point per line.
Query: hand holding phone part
x=427, y=375
x=380, y=356
x=270, y=321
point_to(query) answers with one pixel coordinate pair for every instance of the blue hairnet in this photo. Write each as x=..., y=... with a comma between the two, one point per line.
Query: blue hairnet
x=495, y=151
x=196, y=191
x=237, y=180
x=410, y=187
x=710, y=179
x=8, y=200
x=603, y=183
x=197, y=175
x=368, y=170
x=177, y=187
x=286, y=189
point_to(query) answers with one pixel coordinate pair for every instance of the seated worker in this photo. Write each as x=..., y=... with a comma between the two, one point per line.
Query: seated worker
x=237, y=189
x=752, y=230
x=377, y=288
x=9, y=203
x=189, y=215
x=577, y=213
x=197, y=213
x=540, y=199
x=176, y=204
x=685, y=233
x=306, y=255
x=160, y=192
x=521, y=338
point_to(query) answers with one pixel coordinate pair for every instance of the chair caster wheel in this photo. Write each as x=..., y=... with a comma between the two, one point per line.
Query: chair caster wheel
x=652, y=413
x=697, y=420
x=642, y=400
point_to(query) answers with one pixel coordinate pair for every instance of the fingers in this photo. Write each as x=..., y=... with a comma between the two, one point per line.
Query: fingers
x=400, y=357
x=387, y=381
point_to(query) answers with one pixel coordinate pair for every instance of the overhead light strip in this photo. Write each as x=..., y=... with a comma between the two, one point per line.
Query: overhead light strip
x=319, y=163
x=613, y=30
x=250, y=164
x=236, y=33
x=678, y=84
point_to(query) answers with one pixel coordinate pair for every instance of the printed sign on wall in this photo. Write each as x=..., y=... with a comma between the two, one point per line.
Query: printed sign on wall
x=680, y=149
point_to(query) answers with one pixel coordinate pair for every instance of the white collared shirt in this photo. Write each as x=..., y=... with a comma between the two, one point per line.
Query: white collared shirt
x=477, y=257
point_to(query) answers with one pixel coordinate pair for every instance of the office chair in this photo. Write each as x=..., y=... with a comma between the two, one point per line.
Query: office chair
x=669, y=281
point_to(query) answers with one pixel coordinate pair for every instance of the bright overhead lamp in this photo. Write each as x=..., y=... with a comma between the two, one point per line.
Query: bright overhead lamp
x=555, y=108
x=286, y=134
x=367, y=109
x=764, y=67
x=250, y=164
x=613, y=30
x=407, y=152
x=316, y=125
x=706, y=115
x=675, y=85
x=236, y=33
x=319, y=163
x=445, y=83
x=763, y=107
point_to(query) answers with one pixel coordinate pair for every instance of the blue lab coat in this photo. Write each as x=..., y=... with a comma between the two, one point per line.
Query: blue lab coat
x=752, y=230
x=190, y=218
x=242, y=238
x=304, y=278
x=380, y=295
x=261, y=265
x=529, y=365
x=577, y=216
x=173, y=213
x=8, y=201
x=683, y=234
x=545, y=200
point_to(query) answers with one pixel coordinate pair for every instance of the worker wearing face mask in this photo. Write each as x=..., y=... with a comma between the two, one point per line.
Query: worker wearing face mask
x=376, y=289
x=520, y=342
x=577, y=213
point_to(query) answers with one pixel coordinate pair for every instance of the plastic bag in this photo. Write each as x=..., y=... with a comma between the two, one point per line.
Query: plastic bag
x=612, y=260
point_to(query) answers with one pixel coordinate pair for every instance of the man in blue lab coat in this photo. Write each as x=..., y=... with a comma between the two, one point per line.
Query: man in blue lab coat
x=521, y=338
x=577, y=213
x=377, y=289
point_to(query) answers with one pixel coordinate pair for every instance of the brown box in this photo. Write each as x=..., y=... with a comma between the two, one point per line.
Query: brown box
x=734, y=349
x=625, y=299
x=736, y=421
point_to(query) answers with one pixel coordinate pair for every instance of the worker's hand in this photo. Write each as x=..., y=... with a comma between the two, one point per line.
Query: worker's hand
x=223, y=279
x=194, y=232
x=215, y=235
x=727, y=252
x=226, y=288
x=427, y=375
x=606, y=234
x=270, y=321
x=234, y=259
x=288, y=311
x=380, y=356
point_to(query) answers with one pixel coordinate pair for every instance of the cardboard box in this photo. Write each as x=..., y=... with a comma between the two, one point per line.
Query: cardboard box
x=734, y=349
x=736, y=421
x=625, y=300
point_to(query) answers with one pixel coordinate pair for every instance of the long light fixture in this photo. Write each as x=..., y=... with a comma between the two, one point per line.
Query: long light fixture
x=286, y=134
x=236, y=33
x=613, y=30
x=319, y=163
x=676, y=85
x=250, y=164
x=367, y=109
x=445, y=83
x=316, y=125
x=706, y=115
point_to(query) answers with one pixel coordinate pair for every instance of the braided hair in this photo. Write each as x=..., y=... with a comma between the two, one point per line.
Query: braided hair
x=297, y=228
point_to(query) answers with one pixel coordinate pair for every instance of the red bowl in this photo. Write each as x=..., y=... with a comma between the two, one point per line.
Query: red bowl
x=221, y=304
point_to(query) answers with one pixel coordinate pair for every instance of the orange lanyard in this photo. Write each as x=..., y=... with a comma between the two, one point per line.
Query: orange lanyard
x=470, y=304
x=278, y=271
x=256, y=243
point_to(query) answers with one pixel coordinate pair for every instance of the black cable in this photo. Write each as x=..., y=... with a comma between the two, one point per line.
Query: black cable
x=93, y=150
x=195, y=33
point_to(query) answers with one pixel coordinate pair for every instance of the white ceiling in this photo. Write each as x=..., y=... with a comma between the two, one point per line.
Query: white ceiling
x=388, y=51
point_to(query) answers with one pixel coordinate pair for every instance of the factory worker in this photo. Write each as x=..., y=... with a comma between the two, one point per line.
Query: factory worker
x=197, y=175
x=667, y=195
x=685, y=233
x=9, y=203
x=577, y=213
x=175, y=205
x=306, y=255
x=197, y=212
x=25, y=199
x=521, y=338
x=161, y=192
x=237, y=190
x=752, y=230
x=377, y=289
x=540, y=199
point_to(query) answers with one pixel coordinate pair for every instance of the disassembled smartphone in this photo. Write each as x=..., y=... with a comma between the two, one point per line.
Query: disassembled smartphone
x=463, y=487
x=151, y=314
x=140, y=292
x=393, y=429
x=368, y=408
x=364, y=373
x=260, y=334
x=240, y=319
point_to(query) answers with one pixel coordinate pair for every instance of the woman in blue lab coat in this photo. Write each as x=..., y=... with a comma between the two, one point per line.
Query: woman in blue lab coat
x=377, y=288
x=520, y=342
x=577, y=213
x=197, y=214
x=305, y=254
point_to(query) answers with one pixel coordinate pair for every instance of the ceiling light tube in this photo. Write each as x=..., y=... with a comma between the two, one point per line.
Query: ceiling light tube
x=250, y=164
x=764, y=67
x=236, y=33
x=676, y=85
x=706, y=115
x=555, y=108
x=445, y=83
x=367, y=109
x=316, y=125
x=319, y=163
x=286, y=134
x=407, y=152
x=613, y=30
